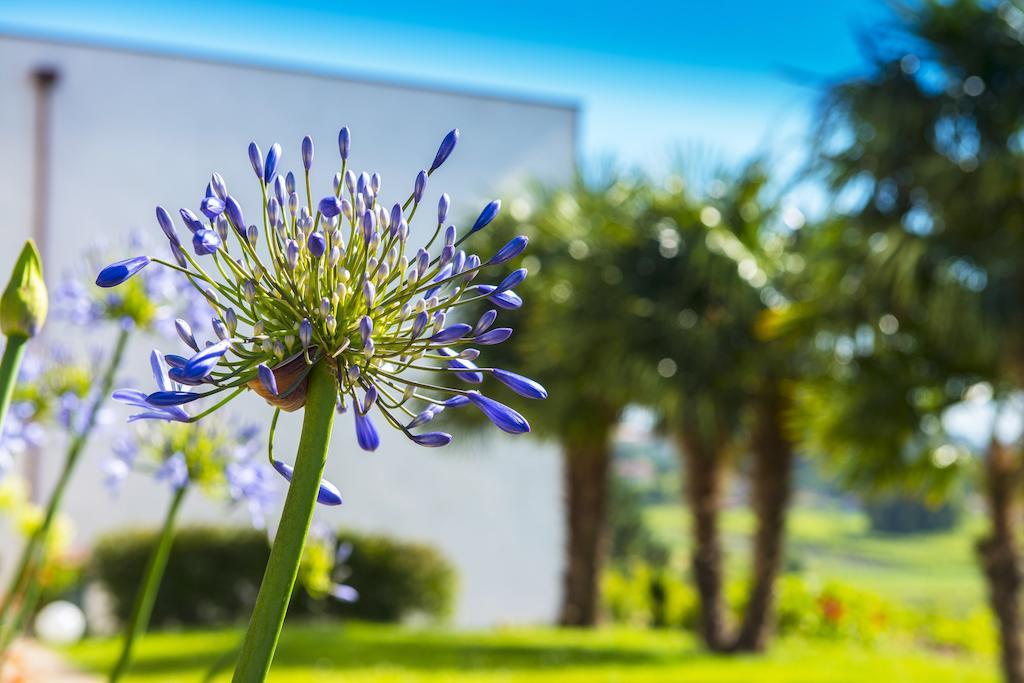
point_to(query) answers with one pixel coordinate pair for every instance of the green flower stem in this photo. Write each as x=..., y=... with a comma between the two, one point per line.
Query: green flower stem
x=283, y=567
x=14, y=351
x=34, y=550
x=142, y=610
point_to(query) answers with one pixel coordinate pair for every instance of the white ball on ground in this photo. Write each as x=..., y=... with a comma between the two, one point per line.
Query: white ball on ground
x=60, y=623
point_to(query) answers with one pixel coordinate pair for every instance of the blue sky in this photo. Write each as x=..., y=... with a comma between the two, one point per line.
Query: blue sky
x=653, y=80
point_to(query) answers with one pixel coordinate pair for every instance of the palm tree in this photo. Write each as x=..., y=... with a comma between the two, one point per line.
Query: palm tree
x=572, y=338
x=710, y=267
x=924, y=149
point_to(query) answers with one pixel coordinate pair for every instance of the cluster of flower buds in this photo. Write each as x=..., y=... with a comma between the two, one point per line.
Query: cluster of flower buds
x=334, y=279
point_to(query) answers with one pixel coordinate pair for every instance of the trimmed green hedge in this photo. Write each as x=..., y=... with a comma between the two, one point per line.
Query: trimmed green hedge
x=214, y=573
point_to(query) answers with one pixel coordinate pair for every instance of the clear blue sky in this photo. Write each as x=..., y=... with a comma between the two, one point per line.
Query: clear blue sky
x=725, y=78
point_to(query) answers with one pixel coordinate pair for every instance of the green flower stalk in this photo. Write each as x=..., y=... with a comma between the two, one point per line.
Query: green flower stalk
x=215, y=458
x=323, y=304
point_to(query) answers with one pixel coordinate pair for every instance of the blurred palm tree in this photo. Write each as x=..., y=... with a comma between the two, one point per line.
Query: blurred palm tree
x=571, y=338
x=710, y=264
x=924, y=153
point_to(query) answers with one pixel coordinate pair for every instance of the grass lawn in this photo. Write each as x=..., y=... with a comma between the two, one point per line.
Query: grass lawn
x=364, y=653
x=936, y=570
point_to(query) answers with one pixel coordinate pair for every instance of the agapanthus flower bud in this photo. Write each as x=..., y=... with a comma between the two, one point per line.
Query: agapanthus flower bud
x=256, y=159
x=220, y=329
x=362, y=183
x=375, y=183
x=524, y=386
x=292, y=254
x=508, y=300
x=305, y=333
x=449, y=235
x=495, y=336
x=365, y=327
x=205, y=242
x=211, y=207
x=432, y=439
x=220, y=188
x=419, y=186
x=280, y=191
x=328, y=493
x=24, y=303
x=445, y=150
x=273, y=157
x=443, y=204
x=289, y=182
x=166, y=224
x=344, y=142
x=307, y=152
x=485, y=321
x=330, y=206
x=267, y=379
x=192, y=221
x=249, y=291
x=369, y=293
x=184, y=331
x=234, y=213
x=231, y=320
x=486, y=216
x=451, y=333
x=513, y=279
x=501, y=415
x=350, y=181
x=252, y=235
x=513, y=248
x=366, y=432
x=317, y=244
x=221, y=225
x=332, y=324
x=425, y=416
x=111, y=276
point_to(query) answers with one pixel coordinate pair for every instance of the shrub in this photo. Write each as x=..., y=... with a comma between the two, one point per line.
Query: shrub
x=395, y=580
x=213, y=575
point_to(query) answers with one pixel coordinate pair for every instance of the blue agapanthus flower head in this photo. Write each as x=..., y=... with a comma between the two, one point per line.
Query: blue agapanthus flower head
x=334, y=278
x=223, y=458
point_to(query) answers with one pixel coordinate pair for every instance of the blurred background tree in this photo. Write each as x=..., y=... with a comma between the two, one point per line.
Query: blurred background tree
x=923, y=155
x=710, y=263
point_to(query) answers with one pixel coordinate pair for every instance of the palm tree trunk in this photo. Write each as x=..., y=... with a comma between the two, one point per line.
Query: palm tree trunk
x=998, y=556
x=585, y=467
x=705, y=472
x=771, y=487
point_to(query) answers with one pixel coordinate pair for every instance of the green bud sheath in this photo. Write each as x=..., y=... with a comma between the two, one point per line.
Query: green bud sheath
x=24, y=302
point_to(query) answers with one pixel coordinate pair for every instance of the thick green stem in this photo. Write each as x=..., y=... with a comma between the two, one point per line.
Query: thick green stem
x=34, y=550
x=13, y=353
x=283, y=567
x=144, y=599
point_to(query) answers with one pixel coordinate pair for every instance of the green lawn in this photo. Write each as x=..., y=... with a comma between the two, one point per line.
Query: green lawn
x=363, y=653
x=936, y=570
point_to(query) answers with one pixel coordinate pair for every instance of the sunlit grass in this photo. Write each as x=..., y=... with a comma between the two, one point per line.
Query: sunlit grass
x=934, y=570
x=363, y=653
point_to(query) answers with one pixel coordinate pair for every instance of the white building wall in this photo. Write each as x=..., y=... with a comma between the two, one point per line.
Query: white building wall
x=133, y=130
